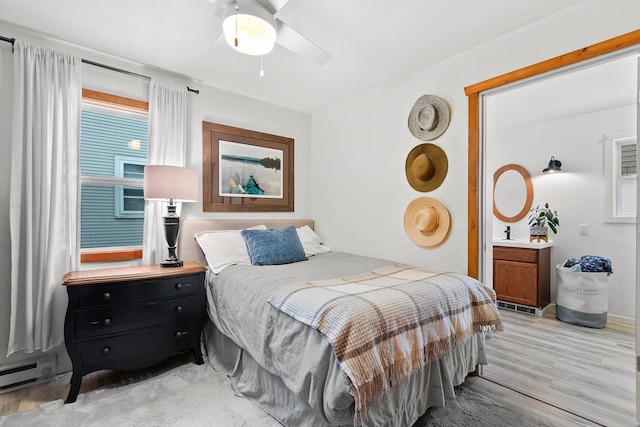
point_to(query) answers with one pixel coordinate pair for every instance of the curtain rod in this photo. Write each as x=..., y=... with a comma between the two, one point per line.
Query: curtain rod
x=128, y=73
x=8, y=40
x=108, y=67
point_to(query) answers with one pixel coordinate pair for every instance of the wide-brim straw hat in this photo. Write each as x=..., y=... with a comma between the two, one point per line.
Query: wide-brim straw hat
x=427, y=222
x=426, y=167
x=429, y=117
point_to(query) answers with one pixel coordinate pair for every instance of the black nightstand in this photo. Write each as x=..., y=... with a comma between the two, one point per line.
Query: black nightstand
x=130, y=318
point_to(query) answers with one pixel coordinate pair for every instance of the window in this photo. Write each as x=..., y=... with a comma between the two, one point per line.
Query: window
x=129, y=201
x=621, y=182
x=626, y=161
x=113, y=150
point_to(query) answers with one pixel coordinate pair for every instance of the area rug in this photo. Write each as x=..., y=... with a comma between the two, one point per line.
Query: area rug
x=192, y=395
x=470, y=409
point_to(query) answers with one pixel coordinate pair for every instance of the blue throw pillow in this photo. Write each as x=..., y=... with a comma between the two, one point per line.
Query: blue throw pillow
x=272, y=247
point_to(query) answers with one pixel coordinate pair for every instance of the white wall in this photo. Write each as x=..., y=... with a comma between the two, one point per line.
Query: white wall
x=360, y=145
x=577, y=193
x=218, y=106
x=212, y=104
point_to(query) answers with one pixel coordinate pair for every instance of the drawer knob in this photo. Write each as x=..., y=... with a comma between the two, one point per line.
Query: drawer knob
x=179, y=309
x=178, y=286
x=106, y=350
x=106, y=322
x=106, y=296
x=180, y=334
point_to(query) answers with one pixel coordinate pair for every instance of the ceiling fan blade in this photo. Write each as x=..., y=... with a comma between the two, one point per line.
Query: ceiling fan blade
x=277, y=4
x=220, y=7
x=299, y=44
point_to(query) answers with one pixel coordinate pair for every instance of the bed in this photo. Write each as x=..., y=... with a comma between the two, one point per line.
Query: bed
x=304, y=375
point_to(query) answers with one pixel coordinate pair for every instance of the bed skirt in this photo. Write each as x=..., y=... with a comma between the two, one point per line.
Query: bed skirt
x=402, y=405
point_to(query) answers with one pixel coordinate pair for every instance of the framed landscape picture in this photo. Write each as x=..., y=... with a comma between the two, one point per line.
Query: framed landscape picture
x=245, y=170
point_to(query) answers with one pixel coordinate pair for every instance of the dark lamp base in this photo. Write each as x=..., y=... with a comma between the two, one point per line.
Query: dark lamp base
x=171, y=263
x=171, y=228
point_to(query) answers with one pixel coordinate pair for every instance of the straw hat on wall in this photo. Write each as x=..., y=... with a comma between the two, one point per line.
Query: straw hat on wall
x=429, y=117
x=427, y=222
x=426, y=167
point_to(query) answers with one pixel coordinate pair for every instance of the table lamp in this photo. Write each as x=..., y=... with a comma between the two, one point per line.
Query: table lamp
x=172, y=184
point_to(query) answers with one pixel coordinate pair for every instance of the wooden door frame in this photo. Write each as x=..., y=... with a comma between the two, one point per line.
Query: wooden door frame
x=473, y=93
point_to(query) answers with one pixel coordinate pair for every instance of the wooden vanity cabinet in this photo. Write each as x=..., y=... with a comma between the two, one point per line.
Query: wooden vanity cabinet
x=522, y=275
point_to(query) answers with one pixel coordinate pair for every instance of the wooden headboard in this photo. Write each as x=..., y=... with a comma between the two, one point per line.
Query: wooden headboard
x=188, y=249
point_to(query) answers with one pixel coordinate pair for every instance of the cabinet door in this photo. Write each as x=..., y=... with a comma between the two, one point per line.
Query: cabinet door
x=516, y=282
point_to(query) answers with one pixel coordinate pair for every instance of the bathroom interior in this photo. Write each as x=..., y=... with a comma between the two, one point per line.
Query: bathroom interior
x=577, y=118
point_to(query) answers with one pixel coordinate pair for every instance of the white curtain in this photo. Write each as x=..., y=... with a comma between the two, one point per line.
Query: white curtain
x=167, y=146
x=44, y=193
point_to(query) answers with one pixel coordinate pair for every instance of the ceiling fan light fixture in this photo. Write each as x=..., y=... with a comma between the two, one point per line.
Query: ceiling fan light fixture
x=255, y=30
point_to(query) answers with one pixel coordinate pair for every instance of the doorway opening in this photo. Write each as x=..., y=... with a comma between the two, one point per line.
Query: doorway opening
x=535, y=148
x=570, y=116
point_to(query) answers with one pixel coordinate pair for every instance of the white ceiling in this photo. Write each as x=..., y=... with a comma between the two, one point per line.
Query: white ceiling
x=371, y=41
x=601, y=85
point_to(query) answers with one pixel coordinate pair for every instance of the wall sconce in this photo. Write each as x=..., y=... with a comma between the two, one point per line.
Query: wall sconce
x=554, y=166
x=172, y=184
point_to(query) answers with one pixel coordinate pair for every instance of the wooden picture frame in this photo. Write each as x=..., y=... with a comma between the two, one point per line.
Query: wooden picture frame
x=245, y=170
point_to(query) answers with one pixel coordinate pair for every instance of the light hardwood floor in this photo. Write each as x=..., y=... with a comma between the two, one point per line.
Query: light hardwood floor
x=584, y=371
x=30, y=397
x=561, y=374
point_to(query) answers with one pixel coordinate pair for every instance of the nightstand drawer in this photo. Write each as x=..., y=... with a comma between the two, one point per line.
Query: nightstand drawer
x=120, y=293
x=113, y=320
x=134, y=350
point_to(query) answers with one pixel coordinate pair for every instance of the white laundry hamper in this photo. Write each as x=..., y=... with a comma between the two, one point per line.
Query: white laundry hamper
x=582, y=298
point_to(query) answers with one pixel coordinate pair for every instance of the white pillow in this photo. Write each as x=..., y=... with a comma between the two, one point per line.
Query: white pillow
x=311, y=242
x=223, y=248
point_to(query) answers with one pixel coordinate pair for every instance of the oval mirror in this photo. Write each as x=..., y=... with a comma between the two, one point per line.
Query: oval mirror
x=512, y=193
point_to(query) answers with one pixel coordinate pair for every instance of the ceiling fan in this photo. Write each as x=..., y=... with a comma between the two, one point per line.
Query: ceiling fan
x=249, y=21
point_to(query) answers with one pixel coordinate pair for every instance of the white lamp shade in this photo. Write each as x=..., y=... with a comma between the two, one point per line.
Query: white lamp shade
x=255, y=30
x=170, y=182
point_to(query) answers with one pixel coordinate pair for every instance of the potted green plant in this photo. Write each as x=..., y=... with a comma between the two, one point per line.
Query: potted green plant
x=540, y=220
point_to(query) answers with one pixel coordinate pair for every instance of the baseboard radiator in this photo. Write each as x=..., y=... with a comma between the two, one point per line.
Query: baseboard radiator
x=27, y=373
x=520, y=308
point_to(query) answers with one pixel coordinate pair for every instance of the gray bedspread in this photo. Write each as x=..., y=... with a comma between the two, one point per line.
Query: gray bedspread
x=290, y=370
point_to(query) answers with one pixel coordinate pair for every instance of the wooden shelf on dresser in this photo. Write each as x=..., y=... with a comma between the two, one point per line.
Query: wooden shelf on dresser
x=522, y=275
x=130, y=318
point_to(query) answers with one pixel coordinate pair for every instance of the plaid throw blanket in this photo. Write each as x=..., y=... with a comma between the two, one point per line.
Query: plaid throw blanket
x=386, y=324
